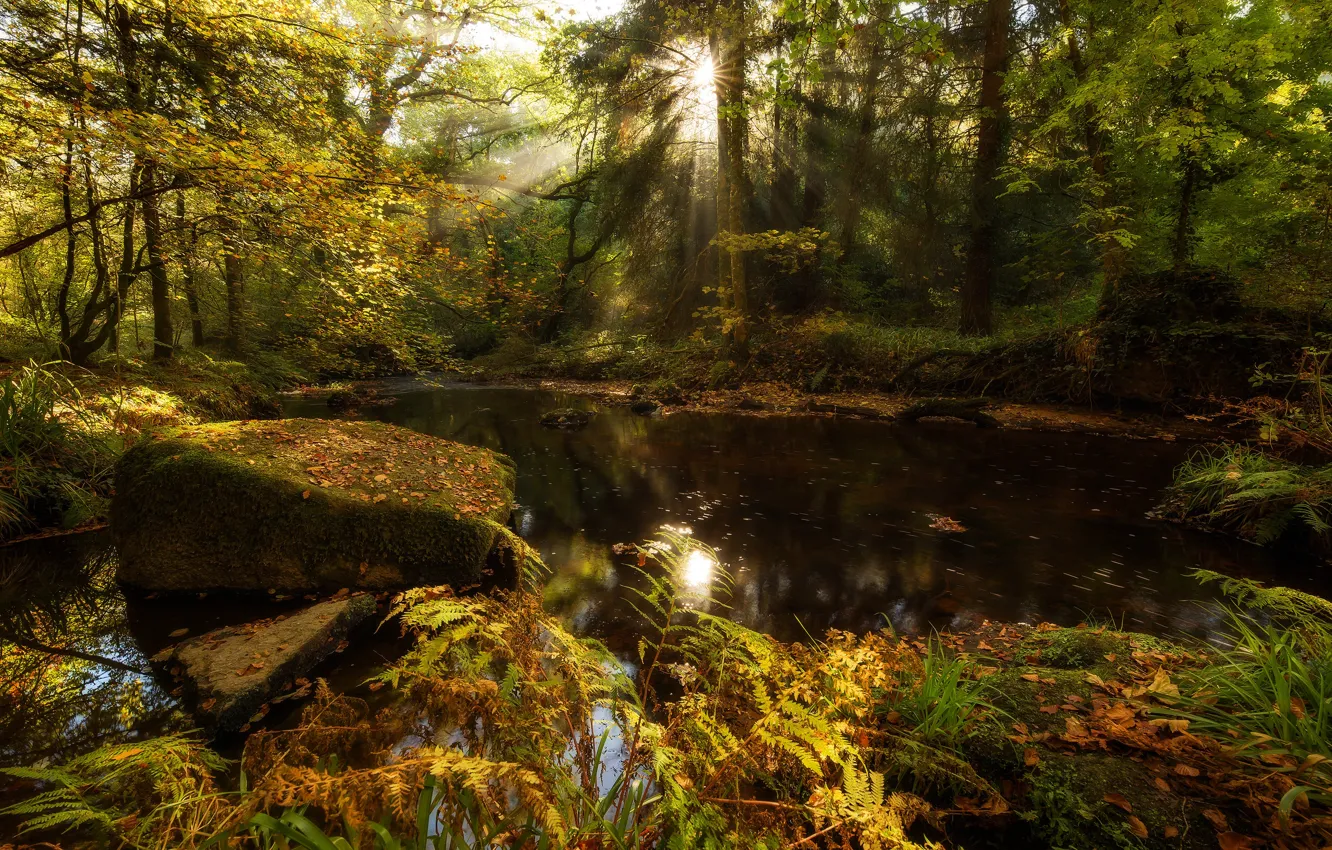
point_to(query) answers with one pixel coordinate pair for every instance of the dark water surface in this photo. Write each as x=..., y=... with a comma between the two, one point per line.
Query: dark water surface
x=825, y=522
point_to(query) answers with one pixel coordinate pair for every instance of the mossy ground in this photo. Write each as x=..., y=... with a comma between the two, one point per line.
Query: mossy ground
x=1077, y=738
x=301, y=504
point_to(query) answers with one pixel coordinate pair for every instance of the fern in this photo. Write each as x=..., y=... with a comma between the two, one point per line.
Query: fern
x=1292, y=606
x=157, y=793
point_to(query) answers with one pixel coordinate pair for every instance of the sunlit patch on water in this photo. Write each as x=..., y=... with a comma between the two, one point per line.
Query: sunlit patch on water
x=822, y=523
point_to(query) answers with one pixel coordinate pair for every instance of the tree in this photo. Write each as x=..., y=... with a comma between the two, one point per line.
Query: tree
x=978, y=282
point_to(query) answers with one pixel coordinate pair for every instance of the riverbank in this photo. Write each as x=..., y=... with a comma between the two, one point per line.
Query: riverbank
x=63, y=427
x=777, y=399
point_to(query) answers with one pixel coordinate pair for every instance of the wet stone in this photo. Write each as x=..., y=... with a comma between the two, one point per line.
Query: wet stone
x=567, y=418
x=229, y=674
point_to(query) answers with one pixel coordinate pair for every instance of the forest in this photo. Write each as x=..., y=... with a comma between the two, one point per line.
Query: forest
x=665, y=424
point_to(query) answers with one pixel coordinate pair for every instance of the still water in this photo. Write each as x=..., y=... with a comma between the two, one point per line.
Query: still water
x=826, y=523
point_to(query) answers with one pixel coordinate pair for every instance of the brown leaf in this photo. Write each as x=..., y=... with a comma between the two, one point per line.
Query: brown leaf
x=1049, y=709
x=1162, y=784
x=179, y=633
x=126, y=754
x=1235, y=841
x=1118, y=800
x=1137, y=826
x=1031, y=677
x=1171, y=832
x=1030, y=757
x=1185, y=770
x=1217, y=820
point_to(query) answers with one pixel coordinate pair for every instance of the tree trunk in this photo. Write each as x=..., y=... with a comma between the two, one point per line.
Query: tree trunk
x=1183, y=247
x=187, y=249
x=852, y=197
x=233, y=279
x=163, y=337
x=1112, y=253
x=127, y=272
x=783, y=167
x=977, y=283
x=732, y=128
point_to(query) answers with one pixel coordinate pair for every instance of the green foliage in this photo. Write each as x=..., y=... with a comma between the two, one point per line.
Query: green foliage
x=157, y=793
x=1253, y=494
x=941, y=701
x=1270, y=692
x=53, y=463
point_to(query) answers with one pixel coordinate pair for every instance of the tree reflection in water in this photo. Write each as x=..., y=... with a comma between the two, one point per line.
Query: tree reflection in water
x=827, y=521
x=71, y=675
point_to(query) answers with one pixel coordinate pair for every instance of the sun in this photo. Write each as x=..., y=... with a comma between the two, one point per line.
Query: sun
x=702, y=80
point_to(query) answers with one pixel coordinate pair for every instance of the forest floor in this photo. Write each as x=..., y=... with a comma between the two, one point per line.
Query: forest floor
x=777, y=399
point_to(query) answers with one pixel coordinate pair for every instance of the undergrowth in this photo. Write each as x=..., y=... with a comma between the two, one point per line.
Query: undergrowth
x=1254, y=494
x=510, y=731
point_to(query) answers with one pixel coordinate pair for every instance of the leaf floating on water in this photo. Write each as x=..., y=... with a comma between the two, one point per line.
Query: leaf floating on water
x=946, y=524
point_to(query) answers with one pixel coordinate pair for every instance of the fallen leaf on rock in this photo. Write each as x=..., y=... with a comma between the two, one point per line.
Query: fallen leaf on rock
x=179, y=633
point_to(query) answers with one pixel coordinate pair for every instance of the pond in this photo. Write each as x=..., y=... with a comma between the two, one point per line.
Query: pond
x=825, y=523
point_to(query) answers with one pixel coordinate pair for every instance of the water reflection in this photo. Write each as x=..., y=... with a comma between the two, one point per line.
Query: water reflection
x=821, y=523
x=827, y=523
x=71, y=675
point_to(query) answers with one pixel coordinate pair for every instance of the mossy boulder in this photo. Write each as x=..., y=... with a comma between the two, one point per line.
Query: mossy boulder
x=305, y=504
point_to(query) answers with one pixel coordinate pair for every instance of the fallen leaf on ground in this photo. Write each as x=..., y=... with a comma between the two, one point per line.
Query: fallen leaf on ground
x=1137, y=826
x=1118, y=800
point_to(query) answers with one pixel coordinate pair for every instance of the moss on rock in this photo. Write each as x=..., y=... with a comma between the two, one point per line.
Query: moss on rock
x=303, y=504
x=228, y=674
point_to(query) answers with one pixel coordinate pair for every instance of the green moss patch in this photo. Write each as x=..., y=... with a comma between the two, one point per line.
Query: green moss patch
x=1106, y=801
x=304, y=504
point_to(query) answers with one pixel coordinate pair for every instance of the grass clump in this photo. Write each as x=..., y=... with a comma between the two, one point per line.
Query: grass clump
x=1270, y=691
x=1253, y=494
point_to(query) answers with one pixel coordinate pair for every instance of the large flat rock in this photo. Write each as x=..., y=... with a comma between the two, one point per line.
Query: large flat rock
x=306, y=504
x=228, y=674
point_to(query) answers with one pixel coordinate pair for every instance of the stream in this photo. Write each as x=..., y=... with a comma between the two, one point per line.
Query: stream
x=825, y=523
